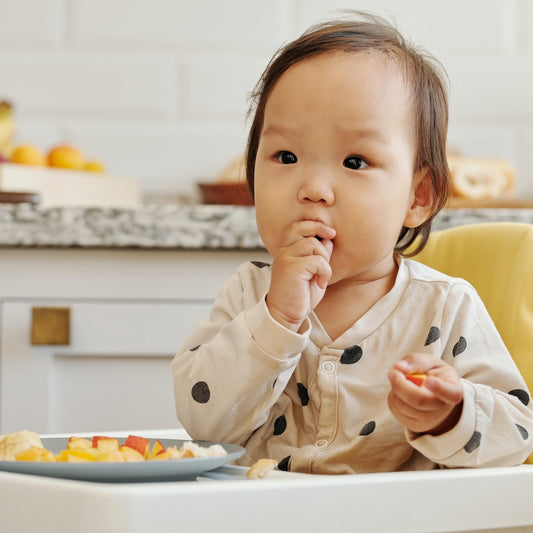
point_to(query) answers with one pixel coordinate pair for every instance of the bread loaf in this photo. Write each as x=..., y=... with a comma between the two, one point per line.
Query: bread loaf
x=477, y=178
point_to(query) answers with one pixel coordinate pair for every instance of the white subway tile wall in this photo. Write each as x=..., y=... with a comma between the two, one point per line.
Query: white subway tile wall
x=158, y=89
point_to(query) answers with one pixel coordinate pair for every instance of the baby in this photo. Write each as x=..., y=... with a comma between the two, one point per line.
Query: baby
x=308, y=360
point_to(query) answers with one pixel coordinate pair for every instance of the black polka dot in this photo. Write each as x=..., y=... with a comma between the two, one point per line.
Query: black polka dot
x=284, y=464
x=351, y=355
x=368, y=428
x=460, y=346
x=523, y=431
x=521, y=394
x=194, y=348
x=303, y=394
x=473, y=443
x=260, y=264
x=200, y=392
x=280, y=425
x=433, y=335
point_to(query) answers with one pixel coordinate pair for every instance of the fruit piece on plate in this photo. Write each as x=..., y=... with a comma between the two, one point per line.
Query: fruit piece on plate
x=77, y=456
x=141, y=444
x=34, y=453
x=78, y=443
x=27, y=154
x=112, y=456
x=130, y=454
x=416, y=378
x=173, y=453
x=65, y=156
x=157, y=449
x=105, y=444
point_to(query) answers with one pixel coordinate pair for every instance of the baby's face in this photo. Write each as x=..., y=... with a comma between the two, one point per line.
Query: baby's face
x=338, y=145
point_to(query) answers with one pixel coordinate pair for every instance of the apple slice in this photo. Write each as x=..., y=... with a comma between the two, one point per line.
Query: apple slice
x=417, y=378
x=130, y=454
x=141, y=444
x=105, y=444
x=156, y=450
x=78, y=443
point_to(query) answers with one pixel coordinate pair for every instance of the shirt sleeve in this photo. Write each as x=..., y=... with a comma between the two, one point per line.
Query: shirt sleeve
x=234, y=365
x=496, y=424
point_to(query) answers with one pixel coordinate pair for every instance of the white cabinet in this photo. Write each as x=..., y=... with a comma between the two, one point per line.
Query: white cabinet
x=129, y=313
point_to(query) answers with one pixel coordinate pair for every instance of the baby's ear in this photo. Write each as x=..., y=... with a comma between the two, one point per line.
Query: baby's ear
x=421, y=201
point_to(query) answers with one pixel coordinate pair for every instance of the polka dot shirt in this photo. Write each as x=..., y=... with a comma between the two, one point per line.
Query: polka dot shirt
x=319, y=405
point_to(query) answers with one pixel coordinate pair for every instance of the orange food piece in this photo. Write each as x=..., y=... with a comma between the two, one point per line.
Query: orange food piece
x=416, y=378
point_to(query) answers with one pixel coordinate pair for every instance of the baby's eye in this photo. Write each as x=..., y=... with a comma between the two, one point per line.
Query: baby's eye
x=286, y=158
x=355, y=163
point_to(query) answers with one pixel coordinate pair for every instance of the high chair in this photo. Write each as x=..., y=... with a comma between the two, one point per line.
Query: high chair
x=497, y=259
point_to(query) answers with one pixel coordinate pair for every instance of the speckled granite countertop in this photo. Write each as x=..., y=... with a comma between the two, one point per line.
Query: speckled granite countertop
x=170, y=226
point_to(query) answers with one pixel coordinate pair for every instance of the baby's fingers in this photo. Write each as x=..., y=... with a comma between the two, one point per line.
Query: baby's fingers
x=450, y=392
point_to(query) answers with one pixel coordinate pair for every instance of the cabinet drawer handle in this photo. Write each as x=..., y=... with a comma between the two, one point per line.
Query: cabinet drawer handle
x=50, y=325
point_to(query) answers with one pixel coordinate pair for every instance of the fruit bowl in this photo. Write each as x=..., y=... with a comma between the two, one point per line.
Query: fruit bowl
x=226, y=193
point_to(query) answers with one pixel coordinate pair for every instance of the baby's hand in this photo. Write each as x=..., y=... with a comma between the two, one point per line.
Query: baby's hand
x=432, y=407
x=300, y=272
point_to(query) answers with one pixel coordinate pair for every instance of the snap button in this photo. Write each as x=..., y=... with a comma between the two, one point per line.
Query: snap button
x=328, y=367
x=322, y=443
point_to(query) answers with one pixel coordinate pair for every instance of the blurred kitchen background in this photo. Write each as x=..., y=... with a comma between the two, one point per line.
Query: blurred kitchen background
x=157, y=89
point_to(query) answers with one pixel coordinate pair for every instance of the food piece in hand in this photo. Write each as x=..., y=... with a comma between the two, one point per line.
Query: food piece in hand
x=416, y=378
x=261, y=468
x=14, y=443
x=141, y=444
x=105, y=444
x=34, y=453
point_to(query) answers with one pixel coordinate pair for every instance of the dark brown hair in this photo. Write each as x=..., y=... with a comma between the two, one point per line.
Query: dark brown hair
x=363, y=32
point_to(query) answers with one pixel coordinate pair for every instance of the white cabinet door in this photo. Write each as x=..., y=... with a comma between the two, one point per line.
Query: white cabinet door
x=114, y=374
